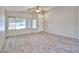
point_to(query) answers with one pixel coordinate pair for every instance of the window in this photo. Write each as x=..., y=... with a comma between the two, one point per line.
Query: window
x=29, y=22
x=11, y=23
x=34, y=23
x=21, y=23
x=2, y=23
x=17, y=23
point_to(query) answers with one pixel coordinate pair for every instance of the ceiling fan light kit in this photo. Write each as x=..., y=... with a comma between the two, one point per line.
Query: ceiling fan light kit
x=38, y=10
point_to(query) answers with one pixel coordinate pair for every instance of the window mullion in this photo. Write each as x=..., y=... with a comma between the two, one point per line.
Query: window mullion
x=15, y=23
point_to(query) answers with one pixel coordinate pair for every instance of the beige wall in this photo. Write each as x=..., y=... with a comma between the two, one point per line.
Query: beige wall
x=42, y=22
x=20, y=14
x=22, y=31
x=78, y=23
x=62, y=21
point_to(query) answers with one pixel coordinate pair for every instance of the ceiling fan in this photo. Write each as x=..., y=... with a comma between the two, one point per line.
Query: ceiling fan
x=38, y=9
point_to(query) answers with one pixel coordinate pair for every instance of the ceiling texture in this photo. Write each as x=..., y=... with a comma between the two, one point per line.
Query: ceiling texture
x=22, y=8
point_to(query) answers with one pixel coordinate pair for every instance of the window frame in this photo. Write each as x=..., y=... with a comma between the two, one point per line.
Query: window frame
x=15, y=22
x=26, y=27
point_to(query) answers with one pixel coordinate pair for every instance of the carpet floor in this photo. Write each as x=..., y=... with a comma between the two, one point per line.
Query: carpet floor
x=40, y=43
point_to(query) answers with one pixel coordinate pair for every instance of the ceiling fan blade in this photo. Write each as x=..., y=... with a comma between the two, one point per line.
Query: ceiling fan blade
x=37, y=9
x=31, y=8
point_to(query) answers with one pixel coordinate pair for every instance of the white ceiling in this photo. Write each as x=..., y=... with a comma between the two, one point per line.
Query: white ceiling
x=15, y=8
x=22, y=8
